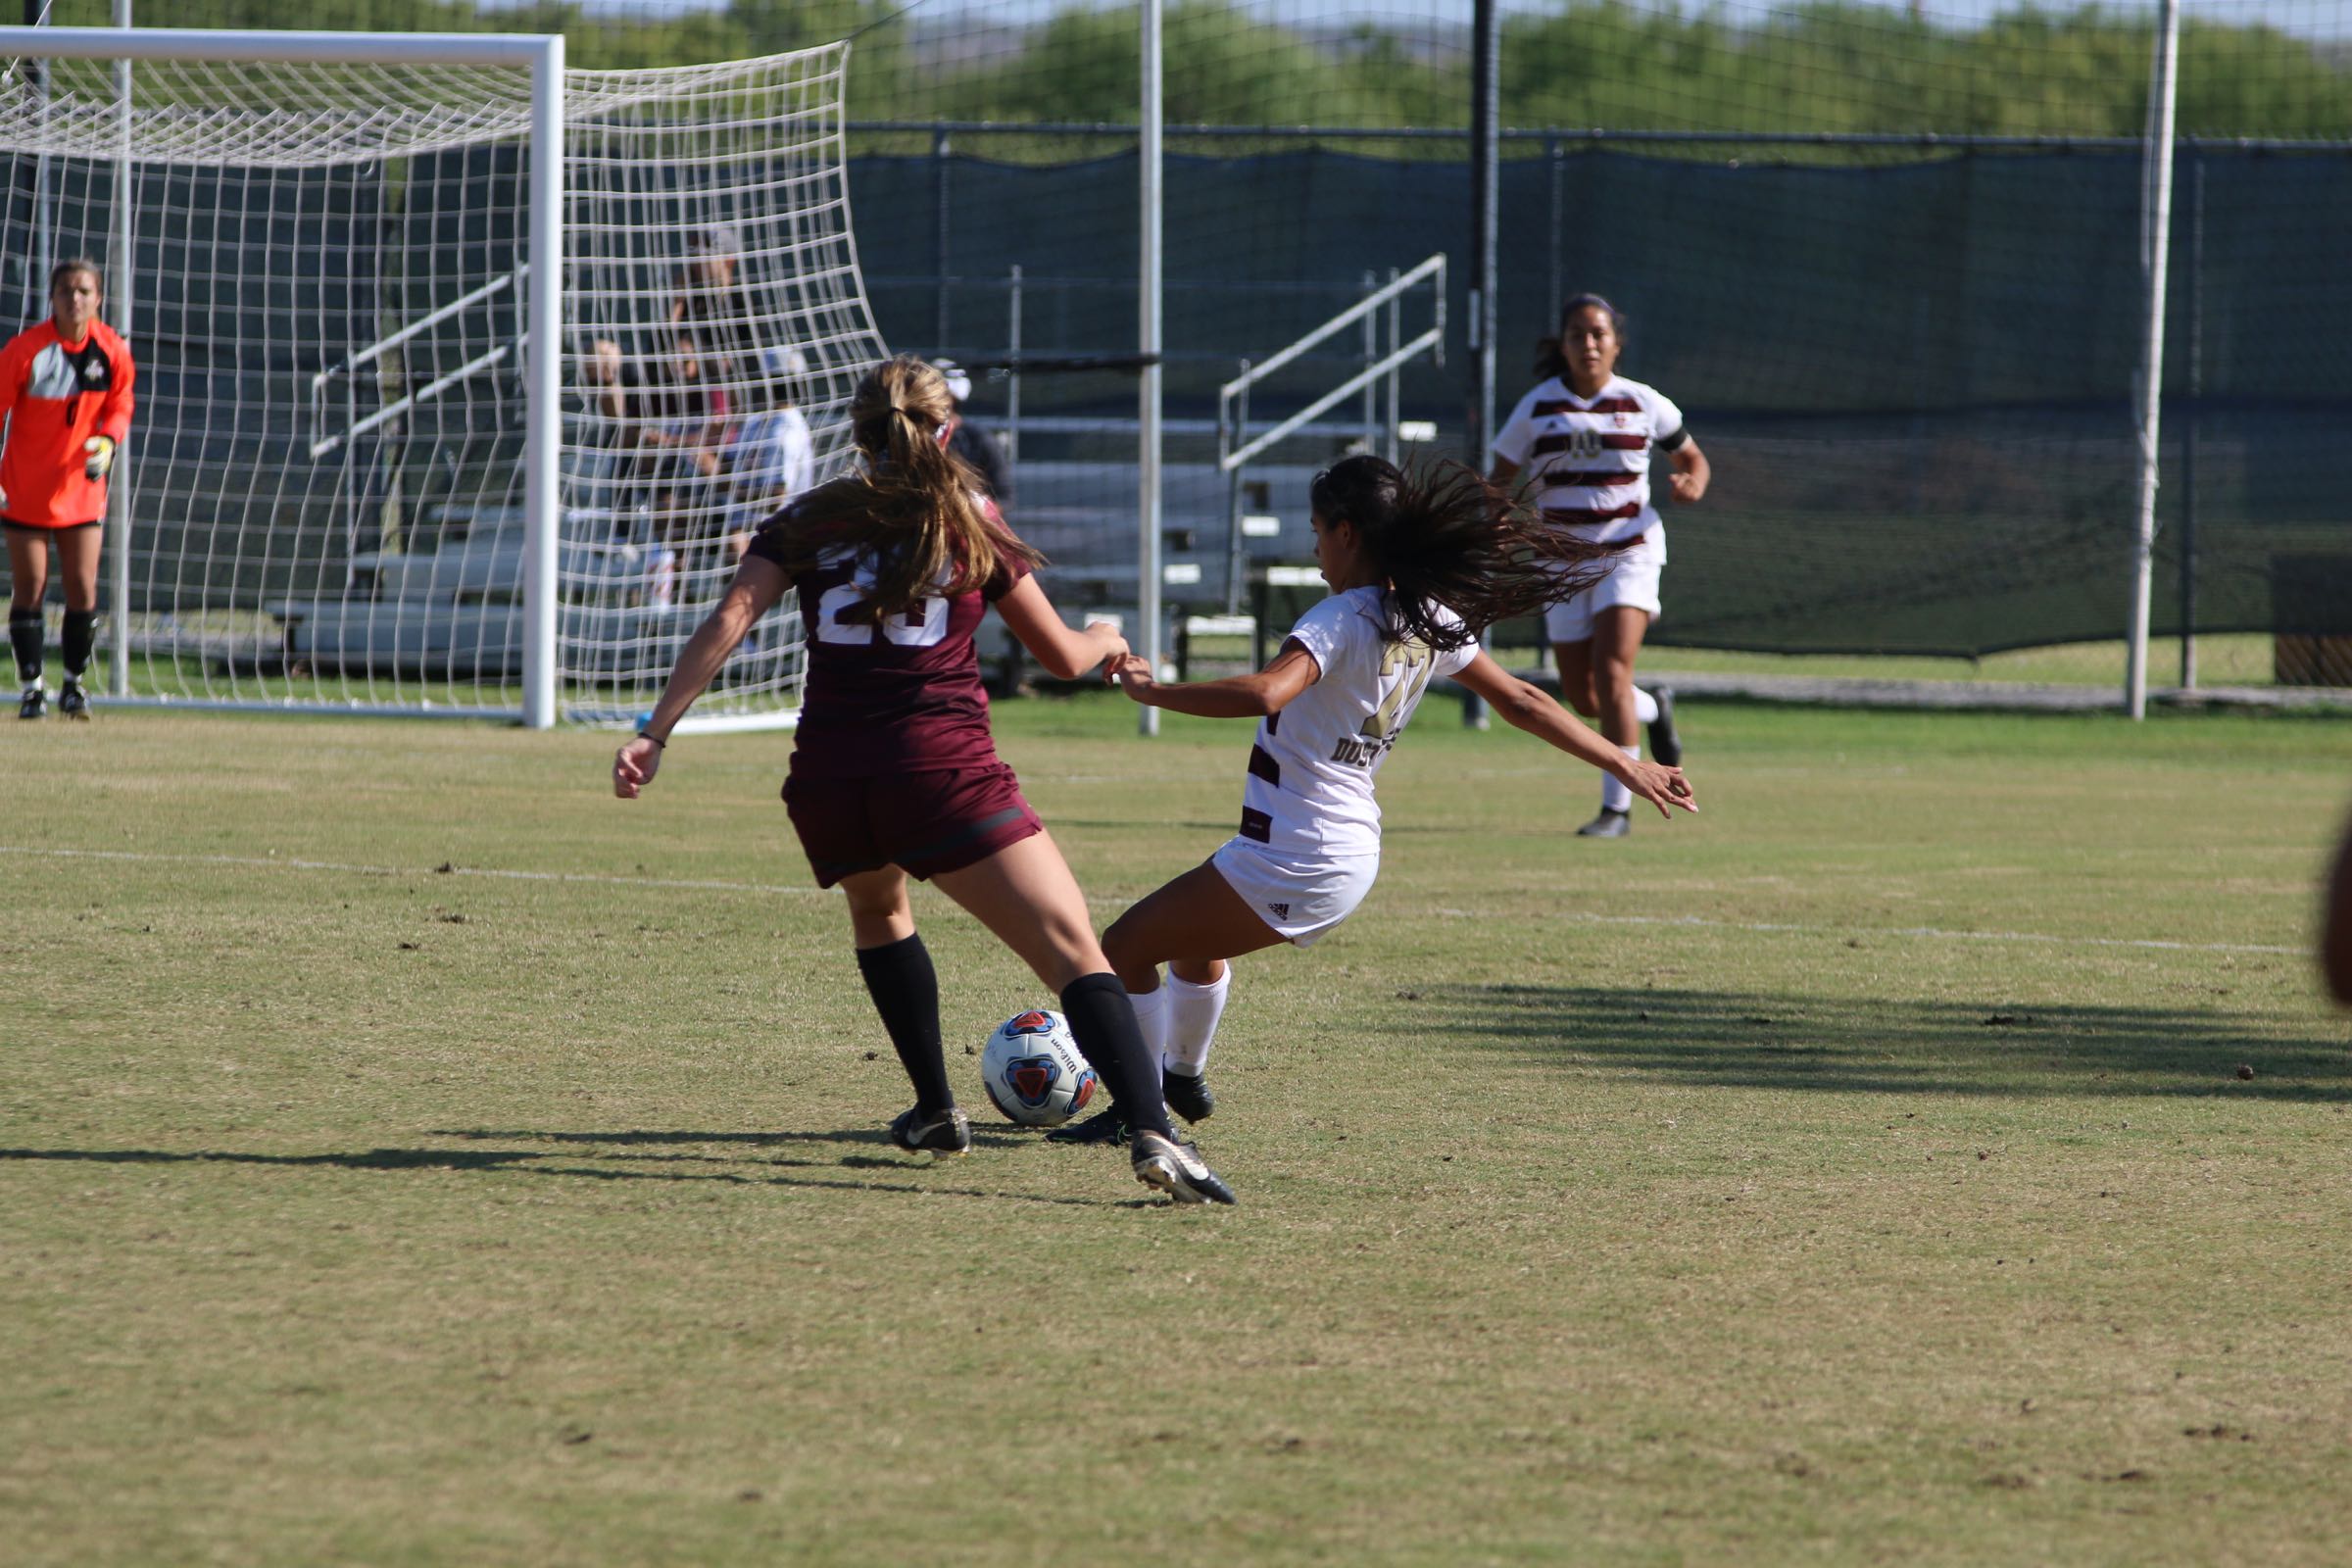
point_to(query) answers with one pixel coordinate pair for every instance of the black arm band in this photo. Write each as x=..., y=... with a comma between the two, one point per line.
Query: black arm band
x=1674, y=442
x=649, y=735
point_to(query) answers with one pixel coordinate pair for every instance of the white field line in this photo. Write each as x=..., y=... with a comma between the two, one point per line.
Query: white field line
x=1927, y=933
x=282, y=862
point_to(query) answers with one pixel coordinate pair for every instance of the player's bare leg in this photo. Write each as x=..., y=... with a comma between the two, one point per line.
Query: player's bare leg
x=28, y=583
x=1025, y=894
x=1574, y=660
x=1193, y=924
x=1617, y=633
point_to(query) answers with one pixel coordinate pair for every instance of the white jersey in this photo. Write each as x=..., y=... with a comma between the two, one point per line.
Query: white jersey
x=1309, y=789
x=1590, y=458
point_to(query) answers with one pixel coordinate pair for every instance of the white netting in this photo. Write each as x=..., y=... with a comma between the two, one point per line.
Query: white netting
x=329, y=281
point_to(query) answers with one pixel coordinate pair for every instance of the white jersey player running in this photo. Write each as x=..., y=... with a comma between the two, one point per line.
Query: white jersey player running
x=1584, y=437
x=1417, y=568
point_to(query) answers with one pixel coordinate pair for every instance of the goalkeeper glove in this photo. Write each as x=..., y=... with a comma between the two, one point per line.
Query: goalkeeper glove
x=101, y=450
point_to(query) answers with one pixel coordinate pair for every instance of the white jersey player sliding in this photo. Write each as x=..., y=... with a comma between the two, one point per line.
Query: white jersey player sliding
x=1417, y=566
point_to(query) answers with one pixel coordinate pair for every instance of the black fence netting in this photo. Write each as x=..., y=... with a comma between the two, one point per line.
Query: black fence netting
x=1914, y=380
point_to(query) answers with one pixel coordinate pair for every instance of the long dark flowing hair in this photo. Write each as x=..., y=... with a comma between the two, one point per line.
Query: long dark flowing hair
x=914, y=506
x=1549, y=361
x=1445, y=535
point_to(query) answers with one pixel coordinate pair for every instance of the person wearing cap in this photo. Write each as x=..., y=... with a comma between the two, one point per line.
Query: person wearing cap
x=971, y=443
x=712, y=303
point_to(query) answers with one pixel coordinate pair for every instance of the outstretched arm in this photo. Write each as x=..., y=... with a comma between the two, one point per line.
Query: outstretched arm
x=1531, y=708
x=1692, y=471
x=1066, y=655
x=758, y=585
x=1269, y=691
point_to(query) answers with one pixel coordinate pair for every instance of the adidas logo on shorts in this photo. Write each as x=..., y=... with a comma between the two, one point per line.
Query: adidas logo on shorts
x=1282, y=912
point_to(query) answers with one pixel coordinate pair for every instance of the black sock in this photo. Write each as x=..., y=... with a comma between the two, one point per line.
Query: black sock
x=81, y=633
x=25, y=636
x=1102, y=1022
x=905, y=991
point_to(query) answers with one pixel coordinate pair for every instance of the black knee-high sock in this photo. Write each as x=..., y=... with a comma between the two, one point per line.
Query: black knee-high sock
x=905, y=990
x=25, y=636
x=1102, y=1021
x=81, y=634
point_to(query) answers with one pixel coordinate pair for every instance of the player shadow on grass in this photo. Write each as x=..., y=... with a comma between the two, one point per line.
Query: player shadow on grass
x=530, y=1162
x=983, y=1136
x=1879, y=1046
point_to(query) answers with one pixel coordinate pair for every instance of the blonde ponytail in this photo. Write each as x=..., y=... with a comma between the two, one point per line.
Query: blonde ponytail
x=915, y=508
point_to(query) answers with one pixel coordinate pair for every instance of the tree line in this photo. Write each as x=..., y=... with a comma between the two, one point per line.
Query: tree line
x=1833, y=67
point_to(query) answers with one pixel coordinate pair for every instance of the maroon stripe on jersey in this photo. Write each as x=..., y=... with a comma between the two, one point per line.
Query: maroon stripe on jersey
x=1605, y=405
x=1583, y=516
x=1623, y=441
x=1592, y=477
x=1262, y=766
x=1257, y=825
x=1566, y=443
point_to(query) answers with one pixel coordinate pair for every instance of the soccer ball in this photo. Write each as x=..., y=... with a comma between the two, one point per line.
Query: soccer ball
x=1034, y=1071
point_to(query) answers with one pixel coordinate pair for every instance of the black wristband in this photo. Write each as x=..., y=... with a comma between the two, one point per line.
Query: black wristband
x=649, y=735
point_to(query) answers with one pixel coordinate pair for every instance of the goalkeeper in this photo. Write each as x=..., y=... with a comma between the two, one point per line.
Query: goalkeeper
x=65, y=393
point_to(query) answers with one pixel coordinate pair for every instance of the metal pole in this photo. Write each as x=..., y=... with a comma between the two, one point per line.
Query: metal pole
x=1371, y=357
x=2188, y=426
x=2156, y=215
x=1233, y=489
x=1486, y=187
x=543, y=372
x=1557, y=162
x=36, y=260
x=1396, y=375
x=121, y=300
x=939, y=243
x=1148, y=324
x=1013, y=391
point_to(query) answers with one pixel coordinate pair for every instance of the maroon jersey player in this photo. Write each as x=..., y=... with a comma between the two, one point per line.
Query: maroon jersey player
x=894, y=773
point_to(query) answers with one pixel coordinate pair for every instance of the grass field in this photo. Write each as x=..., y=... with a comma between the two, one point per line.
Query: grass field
x=414, y=1155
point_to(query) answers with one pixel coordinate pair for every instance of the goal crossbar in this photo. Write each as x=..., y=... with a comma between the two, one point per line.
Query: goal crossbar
x=227, y=45
x=541, y=56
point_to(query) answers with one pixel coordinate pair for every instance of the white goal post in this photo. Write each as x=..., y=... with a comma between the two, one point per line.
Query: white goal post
x=461, y=375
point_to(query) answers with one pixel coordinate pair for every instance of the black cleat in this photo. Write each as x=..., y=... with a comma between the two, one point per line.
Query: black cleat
x=73, y=701
x=947, y=1133
x=1104, y=1127
x=1665, y=743
x=1187, y=1098
x=1610, y=824
x=1178, y=1171
x=35, y=704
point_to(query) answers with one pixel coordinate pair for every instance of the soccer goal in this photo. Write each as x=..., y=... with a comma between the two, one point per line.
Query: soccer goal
x=462, y=376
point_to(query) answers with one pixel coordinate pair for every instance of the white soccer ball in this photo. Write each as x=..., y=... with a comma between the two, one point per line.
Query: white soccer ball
x=1035, y=1072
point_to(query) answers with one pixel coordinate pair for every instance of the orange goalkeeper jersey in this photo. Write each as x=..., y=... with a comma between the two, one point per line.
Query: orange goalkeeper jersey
x=55, y=396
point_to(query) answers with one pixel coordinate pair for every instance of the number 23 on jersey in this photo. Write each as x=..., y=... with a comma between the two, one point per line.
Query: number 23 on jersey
x=921, y=626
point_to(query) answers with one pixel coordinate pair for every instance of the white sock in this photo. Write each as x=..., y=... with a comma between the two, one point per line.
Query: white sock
x=1646, y=706
x=1192, y=1014
x=1151, y=1017
x=1614, y=795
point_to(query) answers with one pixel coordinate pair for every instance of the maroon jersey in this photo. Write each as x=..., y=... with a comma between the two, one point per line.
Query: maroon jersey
x=899, y=697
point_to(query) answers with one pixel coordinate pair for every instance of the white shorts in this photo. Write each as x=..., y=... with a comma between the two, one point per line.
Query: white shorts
x=1633, y=582
x=1301, y=897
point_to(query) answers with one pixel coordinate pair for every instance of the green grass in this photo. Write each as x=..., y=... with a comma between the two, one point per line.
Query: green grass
x=414, y=1155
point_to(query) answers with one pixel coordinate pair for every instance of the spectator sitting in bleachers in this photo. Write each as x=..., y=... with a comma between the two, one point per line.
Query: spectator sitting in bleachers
x=770, y=456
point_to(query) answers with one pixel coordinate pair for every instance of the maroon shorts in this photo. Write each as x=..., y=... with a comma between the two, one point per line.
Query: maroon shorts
x=922, y=823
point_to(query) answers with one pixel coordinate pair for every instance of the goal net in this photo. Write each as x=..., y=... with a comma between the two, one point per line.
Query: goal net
x=327, y=480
